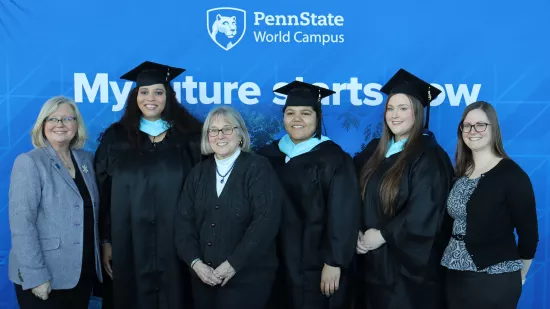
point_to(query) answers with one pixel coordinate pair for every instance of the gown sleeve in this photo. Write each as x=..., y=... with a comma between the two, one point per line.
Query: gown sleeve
x=363, y=157
x=412, y=233
x=186, y=231
x=102, y=167
x=343, y=203
x=266, y=197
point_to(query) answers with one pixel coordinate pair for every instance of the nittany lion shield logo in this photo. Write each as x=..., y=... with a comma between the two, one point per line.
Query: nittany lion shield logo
x=226, y=26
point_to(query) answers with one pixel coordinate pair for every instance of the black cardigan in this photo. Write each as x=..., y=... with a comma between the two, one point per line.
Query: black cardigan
x=503, y=200
x=239, y=226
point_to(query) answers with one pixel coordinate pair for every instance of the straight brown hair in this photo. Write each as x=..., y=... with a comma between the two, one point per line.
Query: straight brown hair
x=391, y=180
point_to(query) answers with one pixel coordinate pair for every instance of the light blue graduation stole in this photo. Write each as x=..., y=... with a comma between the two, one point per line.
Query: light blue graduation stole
x=287, y=146
x=153, y=128
x=395, y=147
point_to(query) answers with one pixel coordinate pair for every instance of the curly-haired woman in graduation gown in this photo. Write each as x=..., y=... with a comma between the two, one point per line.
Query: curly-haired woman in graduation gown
x=141, y=165
x=405, y=179
x=320, y=218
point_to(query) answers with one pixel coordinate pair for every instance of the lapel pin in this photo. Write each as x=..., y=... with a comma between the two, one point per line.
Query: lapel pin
x=85, y=169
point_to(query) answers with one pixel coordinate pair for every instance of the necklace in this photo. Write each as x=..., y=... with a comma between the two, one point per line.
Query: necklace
x=223, y=176
x=161, y=136
x=68, y=166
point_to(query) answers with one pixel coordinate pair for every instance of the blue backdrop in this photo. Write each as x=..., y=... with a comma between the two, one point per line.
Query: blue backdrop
x=236, y=52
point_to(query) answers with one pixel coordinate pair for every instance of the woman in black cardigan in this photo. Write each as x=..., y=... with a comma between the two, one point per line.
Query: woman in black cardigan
x=491, y=197
x=229, y=216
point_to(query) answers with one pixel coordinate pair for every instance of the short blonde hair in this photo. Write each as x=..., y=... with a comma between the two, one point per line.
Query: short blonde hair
x=234, y=117
x=37, y=133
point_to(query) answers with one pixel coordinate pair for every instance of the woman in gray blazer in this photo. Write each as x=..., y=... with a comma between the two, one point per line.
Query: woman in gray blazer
x=53, y=208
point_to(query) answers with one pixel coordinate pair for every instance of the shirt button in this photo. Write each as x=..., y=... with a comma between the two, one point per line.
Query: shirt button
x=213, y=225
x=209, y=244
x=217, y=207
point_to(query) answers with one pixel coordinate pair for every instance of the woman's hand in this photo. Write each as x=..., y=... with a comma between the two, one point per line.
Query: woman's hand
x=330, y=280
x=373, y=239
x=42, y=291
x=106, y=258
x=361, y=248
x=206, y=274
x=224, y=272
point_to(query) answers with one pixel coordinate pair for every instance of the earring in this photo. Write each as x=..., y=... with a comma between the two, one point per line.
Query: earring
x=241, y=143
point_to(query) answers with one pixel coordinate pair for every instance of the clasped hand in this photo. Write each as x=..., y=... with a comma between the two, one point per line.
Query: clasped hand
x=371, y=240
x=213, y=277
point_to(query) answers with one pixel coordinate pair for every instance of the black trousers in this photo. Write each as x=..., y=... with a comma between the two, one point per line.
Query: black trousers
x=404, y=294
x=75, y=298
x=233, y=295
x=475, y=290
x=105, y=290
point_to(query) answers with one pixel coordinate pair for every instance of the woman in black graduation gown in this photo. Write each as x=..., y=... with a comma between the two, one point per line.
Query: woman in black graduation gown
x=320, y=217
x=228, y=218
x=405, y=178
x=141, y=165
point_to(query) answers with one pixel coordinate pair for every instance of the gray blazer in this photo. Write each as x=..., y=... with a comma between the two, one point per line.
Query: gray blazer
x=46, y=215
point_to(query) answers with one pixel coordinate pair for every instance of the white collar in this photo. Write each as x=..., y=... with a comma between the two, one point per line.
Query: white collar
x=227, y=162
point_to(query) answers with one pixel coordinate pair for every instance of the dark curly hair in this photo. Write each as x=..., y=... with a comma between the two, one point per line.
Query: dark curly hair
x=174, y=113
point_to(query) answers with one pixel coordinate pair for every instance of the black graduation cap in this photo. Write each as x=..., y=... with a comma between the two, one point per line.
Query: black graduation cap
x=407, y=83
x=303, y=94
x=150, y=73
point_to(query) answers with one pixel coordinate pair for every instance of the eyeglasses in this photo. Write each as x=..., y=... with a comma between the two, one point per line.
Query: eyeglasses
x=225, y=131
x=64, y=120
x=478, y=127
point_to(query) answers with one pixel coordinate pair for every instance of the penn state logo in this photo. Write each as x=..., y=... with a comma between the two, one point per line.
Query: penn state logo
x=226, y=26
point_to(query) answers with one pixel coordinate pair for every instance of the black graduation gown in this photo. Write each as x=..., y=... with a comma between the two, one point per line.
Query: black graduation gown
x=405, y=272
x=139, y=192
x=320, y=222
x=240, y=226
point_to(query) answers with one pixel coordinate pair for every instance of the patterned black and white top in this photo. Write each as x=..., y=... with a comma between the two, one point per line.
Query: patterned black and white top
x=456, y=255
